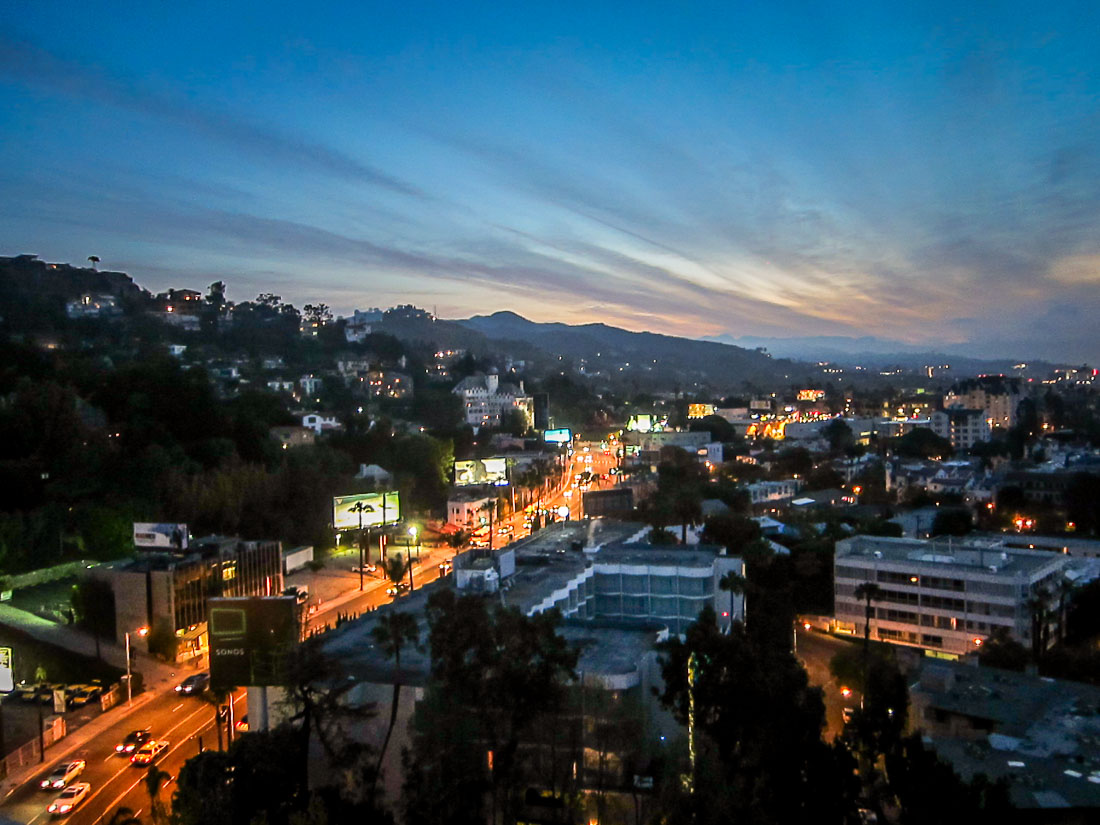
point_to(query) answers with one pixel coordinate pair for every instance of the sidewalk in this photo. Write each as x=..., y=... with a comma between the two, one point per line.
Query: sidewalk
x=73, y=742
x=67, y=638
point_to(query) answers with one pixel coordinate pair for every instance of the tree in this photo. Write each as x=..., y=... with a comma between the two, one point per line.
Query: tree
x=124, y=816
x=495, y=674
x=921, y=442
x=94, y=261
x=732, y=531
x=396, y=567
x=93, y=603
x=952, y=521
x=869, y=591
x=757, y=725
x=393, y=632
x=838, y=434
x=155, y=780
x=999, y=649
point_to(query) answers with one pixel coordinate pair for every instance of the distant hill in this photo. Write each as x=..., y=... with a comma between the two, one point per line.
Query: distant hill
x=874, y=352
x=608, y=348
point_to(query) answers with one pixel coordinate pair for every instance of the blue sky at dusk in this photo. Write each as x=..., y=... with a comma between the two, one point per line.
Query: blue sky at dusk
x=924, y=172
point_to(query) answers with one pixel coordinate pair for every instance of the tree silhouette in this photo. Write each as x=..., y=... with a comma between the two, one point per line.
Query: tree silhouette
x=124, y=816
x=396, y=568
x=868, y=591
x=393, y=632
x=93, y=260
x=155, y=780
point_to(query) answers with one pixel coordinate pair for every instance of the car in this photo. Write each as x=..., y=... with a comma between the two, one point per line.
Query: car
x=29, y=693
x=148, y=752
x=396, y=589
x=62, y=775
x=242, y=723
x=194, y=685
x=134, y=740
x=69, y=799
x=84, y=695
x=445, y=567
x=366, y=568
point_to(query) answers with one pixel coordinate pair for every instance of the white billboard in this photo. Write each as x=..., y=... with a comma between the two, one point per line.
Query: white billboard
x=481, y=471
x=365, y=510
x=166, y=536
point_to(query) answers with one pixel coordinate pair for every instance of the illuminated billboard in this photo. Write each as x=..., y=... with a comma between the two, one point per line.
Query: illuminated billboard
x=365, y=510
x=165, y=536
x=811, y=395
x=481, y=471
x=251, y=640
x=561, y=436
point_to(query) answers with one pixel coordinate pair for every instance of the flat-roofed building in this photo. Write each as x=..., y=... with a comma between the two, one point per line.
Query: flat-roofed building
x=945, y=595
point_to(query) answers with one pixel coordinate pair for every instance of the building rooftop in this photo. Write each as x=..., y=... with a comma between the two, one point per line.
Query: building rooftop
x=965, y=556
x=1045, y=735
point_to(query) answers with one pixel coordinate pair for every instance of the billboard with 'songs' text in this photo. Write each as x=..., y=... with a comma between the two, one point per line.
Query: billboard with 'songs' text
x=251, y=640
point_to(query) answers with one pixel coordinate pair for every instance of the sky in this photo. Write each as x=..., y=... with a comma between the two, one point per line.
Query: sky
x=924, y=172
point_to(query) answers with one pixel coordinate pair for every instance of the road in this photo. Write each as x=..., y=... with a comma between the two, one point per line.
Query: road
x=815, y=649
x=115, y=783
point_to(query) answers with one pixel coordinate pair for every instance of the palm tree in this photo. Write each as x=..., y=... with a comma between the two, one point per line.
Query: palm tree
x=156, y=779
x=396, y=568
x=392, y=633
x=868, y=591
x=1037, y=605
x=1062, y=590
x=93, y=260
x=124, y=816
x=736, y=583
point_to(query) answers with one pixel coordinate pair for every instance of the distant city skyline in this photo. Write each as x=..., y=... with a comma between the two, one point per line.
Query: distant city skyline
x=925, y=174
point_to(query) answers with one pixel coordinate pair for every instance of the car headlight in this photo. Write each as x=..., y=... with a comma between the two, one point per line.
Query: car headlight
x=119, y=748
x=59, y=784
x=45, y=783
x=66, y=808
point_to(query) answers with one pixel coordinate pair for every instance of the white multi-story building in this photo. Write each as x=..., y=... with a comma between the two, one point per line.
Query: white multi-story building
x=963, y=428
x=486, y=400
x=945, y=595
x=765, y=492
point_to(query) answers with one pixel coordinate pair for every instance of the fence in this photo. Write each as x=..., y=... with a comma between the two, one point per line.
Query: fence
x=53, y=729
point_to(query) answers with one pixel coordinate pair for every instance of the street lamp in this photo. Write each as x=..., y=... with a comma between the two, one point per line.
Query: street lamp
x=414, y=535
x=141, y=631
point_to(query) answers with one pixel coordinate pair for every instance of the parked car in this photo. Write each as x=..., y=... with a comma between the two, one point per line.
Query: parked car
x=45, y=693
x=69, y=799
x=62, y=775
x=366, y=568
x=86, y=694
x=29, y=693
x=194, y=685
x=134, y=740
x=148, y=752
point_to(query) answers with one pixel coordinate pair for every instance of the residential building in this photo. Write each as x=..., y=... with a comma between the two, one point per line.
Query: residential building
x=359, y=326
x=945, y=595
x=962, y=427
x=486, y=400
x=466, y=508
x=996, y=396
x=773, y=492
x=94, y=306
x=320, y=423
x=310, y=384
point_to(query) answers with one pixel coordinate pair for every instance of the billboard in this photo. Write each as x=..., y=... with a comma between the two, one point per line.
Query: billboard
x=481, y=471
x=365, y=510
x=700, y=410
x=166, y=536
x=251, y=640
x=7, y=668
x=561, y=436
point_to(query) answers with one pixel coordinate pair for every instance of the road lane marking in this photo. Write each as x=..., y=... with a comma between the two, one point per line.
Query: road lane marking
x=177, y=707
x=128, y=765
